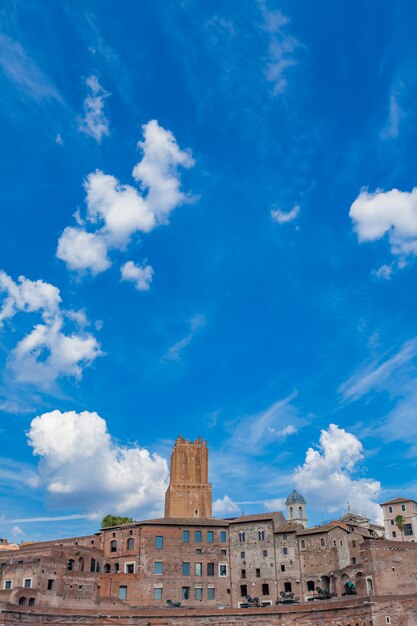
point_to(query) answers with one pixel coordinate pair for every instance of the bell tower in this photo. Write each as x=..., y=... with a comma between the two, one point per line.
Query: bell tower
x=189, y=492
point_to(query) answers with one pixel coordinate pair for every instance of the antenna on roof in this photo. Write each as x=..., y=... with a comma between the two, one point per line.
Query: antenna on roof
x=348, y=506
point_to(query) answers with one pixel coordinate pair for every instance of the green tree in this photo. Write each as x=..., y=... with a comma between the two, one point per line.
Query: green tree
x=400, y=523
x=115, y=520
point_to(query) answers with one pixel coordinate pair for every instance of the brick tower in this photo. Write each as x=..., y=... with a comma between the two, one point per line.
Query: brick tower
x=189, y=492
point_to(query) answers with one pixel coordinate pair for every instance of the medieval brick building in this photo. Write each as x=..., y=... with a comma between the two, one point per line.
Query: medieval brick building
x=191, y=558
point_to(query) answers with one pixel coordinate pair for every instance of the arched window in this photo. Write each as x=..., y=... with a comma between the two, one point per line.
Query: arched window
x=287, y=587
x=265, y=589
x=81, y=564
x=113, y=546
x=31, y=602
x=130, y=543
x=93, y=565
x=291, y=512
x=70, y=565
x=243, y=590
x=116, y=568
x=310, y=585
x=353, y=560
x=261, y=534
x=284, y=550
x=22, y=600
x=303, y=543
x=300, y=512
x=322, y=541
x=241, y=536
x=106, y=568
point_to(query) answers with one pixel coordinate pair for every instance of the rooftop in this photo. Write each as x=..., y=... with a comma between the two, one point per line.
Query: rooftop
x=397, y=501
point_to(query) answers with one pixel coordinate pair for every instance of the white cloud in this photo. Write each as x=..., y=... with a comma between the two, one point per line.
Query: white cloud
x=175, y=351
x=94, y=121
x=326, y=479
x=392, y=213
x=141, y=276
x=116, y=212
x=47, y=352
x=59, y=140
x=223, y=507
x=276, y=504
x=17, y=532
x=281, y=48
x=81, y=251
x=121, y=479
x=281, y=217
x=385, y=271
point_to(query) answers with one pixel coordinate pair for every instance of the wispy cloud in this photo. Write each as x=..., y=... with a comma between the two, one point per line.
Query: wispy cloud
x=23, y=72
x=283, y=217
x=94, y=122
x=378, y=373
x=175, y=351
x=56, y=518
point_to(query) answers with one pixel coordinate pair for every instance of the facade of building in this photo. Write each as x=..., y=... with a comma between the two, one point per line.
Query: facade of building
x=191, y=558
x=407, y=509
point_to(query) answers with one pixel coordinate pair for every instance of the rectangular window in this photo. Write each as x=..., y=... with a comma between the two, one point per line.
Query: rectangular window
x=210, y=569
x=222, y=569
x=282, y=568
x=284, y=550
x=198, y=593
x=353, y=544
x=122, y=592
x=159, y=542
x=284, y=536
x=158, y=567
x=198, y=551
x=223, y=552
x=408, y=529
x=243, y=573
x=198, y=536
x=27, y=583
x=390, y=509
x=185, y=593
x=394, y=534
x=392, y=522
x=265, y=553
x=242, y=555
x=8, y=584
x=198, y=569
x=211, y=593
x=403, y=507
x=129, y=568
x=50, y=584
x=185, y=569
x=210, y=536
x=157, y=593
x=258, y=572
x=223, y=536
x=185, y=536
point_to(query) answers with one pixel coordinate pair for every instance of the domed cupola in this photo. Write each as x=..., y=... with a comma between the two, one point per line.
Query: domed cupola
x=296, y=508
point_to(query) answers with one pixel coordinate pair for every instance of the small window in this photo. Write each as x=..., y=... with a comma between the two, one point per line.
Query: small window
x=303, y=543
x=287, y=587
x=284, y=536
x=388, y=619
x=258, y=572
x=158, y=567
x=265, y=589
x=27, y=583
x=261, y=534
x=8, y=584
x=31, y=602
x=50, y=584
x=122, y=592
x=243, y=590
x=198, y=569
x=408, y=530
x=242, y=555
x=113, y=546
x=210, y=569
x=282, y=568
x=198, y=593
x=284, y=550
x=116, y=567
x=222, y=569
x=157, y=593
x=210, y=536
x=403, y=507
x=353, y=560
x=394, y=534
x=198, y=551
x=185, y=569
x=129, y=568
x=70, y=565
x=198, y=536
x=265, y=553
x=353, y=544
x=223, y=536
x=322, y=541
x=310, y=585
x=130, y=543
x=159, y=542
x=390, y=509
x=211, y=593
x=243, y=573
x=106, y=568
x=196, y=513
x=392, y=522
x=185, y=593
x=22, y=600
x=185, y=536
x=223, y=552
x=241, y=536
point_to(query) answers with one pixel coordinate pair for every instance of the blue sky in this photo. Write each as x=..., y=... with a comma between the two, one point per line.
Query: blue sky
x=208, y=227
